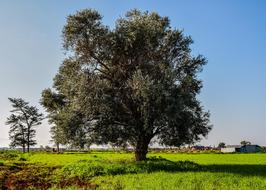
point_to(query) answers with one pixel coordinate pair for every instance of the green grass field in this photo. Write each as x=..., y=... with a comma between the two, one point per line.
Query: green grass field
x=114, y=170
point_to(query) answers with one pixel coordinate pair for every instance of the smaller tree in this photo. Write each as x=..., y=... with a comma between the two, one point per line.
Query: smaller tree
x=221, y=145
x=244, y=143
x=22, y=121
x=17, y=133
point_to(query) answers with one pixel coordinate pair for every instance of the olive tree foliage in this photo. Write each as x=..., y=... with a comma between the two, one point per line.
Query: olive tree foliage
x=22, y=121
x=67, y=123
x=130, y=84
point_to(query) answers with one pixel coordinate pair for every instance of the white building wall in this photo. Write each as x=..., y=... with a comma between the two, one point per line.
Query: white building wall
x=228, y=150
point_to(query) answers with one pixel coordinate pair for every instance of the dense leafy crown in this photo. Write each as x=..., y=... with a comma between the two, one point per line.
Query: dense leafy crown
x=129, y=84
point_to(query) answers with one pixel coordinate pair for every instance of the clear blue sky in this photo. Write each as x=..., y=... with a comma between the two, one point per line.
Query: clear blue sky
x=230, y=33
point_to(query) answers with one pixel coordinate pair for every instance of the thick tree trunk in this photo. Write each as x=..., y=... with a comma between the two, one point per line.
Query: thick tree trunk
x=141, y=150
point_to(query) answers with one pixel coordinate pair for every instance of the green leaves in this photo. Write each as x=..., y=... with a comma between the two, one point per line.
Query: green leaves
x=22, y=120
x=130, y=84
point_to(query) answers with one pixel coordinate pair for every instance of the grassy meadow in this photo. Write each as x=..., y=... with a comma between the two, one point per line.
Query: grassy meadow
x=118, y=171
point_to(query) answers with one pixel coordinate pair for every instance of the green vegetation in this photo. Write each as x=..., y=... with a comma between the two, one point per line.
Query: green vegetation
x=182, y=181
x=126, y=86
x=117, y=170
x=131, y=85
x=22, y=122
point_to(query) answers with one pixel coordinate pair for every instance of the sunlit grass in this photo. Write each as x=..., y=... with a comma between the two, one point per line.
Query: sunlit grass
x=116, y=170
x=182, y=181
x=257, y=158
x=62, y=159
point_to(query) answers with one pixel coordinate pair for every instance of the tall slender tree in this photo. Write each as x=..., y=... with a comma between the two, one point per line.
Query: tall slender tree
x=130, y=84
x=22, y=121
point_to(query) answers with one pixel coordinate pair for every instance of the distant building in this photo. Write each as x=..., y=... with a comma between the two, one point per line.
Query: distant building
x=245, y=148
x=251, y=148
x=231, y=149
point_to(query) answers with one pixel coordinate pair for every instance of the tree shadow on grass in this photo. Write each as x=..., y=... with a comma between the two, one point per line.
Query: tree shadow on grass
x=88, y=169
x=155, y=164
x=240, y=169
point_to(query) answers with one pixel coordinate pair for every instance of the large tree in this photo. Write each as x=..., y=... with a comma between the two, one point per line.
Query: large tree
x=22, y=121
x=130, y=84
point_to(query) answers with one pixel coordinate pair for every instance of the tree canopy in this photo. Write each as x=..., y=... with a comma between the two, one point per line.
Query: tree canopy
x=127, y=85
